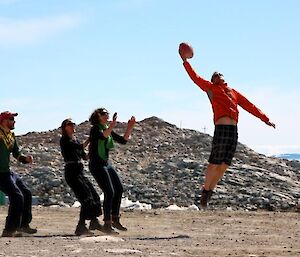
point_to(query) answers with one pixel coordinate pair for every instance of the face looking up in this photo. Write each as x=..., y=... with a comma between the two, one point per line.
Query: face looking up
x=103, y=116
x=218, y=78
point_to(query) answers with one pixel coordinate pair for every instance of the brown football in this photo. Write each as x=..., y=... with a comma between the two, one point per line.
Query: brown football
x=186, y=50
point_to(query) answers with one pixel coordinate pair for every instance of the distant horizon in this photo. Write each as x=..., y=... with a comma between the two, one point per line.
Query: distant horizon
x=290, y=156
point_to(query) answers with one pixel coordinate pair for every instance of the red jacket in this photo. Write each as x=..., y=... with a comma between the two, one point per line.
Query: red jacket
x=224, y=100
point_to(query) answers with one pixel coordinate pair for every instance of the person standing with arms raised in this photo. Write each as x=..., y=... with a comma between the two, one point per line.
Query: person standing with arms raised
x=225, y=102
x=102, y=138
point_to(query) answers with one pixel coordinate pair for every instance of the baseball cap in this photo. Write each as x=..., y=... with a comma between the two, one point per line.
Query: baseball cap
x=67, y=122
x=7, y=115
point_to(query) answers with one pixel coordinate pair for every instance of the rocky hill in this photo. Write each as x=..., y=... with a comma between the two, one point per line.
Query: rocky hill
x=163, y=164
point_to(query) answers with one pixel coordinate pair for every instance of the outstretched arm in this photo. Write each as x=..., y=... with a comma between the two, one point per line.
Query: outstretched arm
x=202, y=83
x=251, y=108
x=205, y=85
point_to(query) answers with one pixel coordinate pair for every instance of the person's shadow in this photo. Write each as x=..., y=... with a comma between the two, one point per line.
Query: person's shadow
x=55, y=235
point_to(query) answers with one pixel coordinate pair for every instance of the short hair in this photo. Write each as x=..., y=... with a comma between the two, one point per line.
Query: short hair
x=214, y=74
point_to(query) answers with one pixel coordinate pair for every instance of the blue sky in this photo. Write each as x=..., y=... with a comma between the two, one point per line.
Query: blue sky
x=64, y=58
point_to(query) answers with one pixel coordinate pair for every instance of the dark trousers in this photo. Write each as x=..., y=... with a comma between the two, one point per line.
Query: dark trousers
x=84, y=191
x=20, y=200
x=111, y=185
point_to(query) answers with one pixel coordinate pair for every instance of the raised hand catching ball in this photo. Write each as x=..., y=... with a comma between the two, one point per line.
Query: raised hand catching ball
x=185, y=51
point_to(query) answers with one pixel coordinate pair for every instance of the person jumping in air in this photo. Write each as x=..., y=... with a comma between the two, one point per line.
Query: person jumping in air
x=224, y=101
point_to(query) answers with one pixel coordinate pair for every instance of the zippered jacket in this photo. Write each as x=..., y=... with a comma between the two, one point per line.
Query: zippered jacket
x=224, y=100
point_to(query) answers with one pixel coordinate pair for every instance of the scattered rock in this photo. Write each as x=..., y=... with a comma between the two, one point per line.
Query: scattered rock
x=163, y=165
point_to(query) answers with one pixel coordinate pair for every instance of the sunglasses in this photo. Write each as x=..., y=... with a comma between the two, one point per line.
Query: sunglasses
x=70, y=124
x=218, y=74
x=104, y=113
x=11, y=119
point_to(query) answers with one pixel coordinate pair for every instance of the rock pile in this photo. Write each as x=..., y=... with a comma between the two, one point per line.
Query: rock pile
x=162, y=165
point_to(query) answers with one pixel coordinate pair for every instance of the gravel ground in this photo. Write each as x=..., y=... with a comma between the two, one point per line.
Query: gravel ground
x=161, y=233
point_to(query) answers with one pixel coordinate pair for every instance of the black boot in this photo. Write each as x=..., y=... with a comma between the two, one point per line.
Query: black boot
x=95, y=225
x=116, y=223
x=205, y=197
x=27, y=229
x=81, y=229
x=108, y=229
x=7, y=233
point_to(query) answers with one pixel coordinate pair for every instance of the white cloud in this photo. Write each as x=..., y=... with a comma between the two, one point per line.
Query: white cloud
x=8, y=1
x=29, y=31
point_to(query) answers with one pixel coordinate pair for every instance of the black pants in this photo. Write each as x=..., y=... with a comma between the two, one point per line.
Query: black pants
x=84, y=191
x=20, y=200
x=111, y=185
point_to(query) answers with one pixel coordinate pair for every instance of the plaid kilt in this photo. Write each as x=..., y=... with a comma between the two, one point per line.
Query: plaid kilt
x=224, y=144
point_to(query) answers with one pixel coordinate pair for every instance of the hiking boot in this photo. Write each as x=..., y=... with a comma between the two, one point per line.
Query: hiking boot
x=7, y=233
x=108, y=229
x=210, y=193
x=82, y=230
x=118, y=225
x=205, y=197
x=27, y=229
x=95, y=225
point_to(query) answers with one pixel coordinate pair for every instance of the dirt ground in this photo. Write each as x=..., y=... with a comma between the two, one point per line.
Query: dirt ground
x=161, y=233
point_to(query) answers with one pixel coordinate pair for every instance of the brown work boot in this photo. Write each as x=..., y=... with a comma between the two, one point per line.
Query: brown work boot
x=27, y=229
x=116, y=224
x=108, y=229
x=95, y=225
x=7, y=233
x=81, y=229
x=205, y=197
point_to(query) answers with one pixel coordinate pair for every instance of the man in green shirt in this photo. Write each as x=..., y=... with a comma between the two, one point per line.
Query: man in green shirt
x=20, y=198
